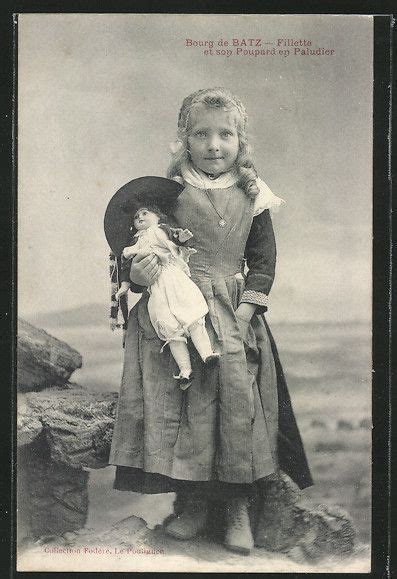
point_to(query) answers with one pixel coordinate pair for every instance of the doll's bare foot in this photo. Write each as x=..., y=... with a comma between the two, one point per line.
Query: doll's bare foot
x=184, y=379
x=212, y=360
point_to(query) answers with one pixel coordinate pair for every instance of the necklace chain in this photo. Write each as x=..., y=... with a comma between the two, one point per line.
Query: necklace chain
x=222, y=220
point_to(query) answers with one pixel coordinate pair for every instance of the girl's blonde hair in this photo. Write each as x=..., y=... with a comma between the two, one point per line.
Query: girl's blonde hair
x=221, y=99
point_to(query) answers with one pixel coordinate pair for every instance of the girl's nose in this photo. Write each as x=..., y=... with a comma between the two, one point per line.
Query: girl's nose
x=213, y=143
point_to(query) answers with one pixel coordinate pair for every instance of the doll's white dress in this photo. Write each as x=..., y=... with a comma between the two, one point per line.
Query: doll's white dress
x=175, y=302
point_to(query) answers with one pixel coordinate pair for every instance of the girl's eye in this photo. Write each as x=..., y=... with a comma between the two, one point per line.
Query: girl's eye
x=225, y=134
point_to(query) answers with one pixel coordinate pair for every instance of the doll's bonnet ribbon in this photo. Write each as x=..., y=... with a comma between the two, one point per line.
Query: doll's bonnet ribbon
x=118, y=308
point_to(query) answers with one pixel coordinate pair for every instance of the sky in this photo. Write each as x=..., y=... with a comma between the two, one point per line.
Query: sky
x=98, y=101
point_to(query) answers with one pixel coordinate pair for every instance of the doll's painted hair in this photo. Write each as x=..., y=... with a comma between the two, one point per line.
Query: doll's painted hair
x=150, y=207
x=218, y=98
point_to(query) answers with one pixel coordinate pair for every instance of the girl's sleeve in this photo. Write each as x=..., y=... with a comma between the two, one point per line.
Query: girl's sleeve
x=125, y=269
x=260, y=254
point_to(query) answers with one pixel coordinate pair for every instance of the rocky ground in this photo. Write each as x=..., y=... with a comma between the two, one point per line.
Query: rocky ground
x=130, y=546
x=64, y=429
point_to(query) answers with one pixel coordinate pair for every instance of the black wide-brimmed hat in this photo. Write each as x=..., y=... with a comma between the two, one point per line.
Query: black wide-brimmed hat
x=135, y=194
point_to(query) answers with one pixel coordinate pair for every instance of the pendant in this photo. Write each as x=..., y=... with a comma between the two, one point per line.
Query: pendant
x=221, y=223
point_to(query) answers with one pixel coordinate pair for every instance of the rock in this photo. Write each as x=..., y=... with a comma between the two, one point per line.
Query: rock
x=43, y=360
x=52, y=498
x=275, y=527
x=76, y=424
x=309, y=532
x=29, y=426
x=328, y=532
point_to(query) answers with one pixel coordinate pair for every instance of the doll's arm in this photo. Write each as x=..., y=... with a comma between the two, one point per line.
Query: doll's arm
x=176, y=234
x=124, y=287
x=129, y=251
x=181, y=235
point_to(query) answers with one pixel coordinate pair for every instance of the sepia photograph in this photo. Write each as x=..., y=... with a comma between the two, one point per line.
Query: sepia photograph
x=194, y=348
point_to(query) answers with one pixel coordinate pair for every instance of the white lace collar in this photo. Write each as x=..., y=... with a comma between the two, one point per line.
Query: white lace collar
x=265, y=199
x=201, y=180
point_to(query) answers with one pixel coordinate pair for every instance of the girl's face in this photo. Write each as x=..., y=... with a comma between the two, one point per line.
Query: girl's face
x=145, y=218
x=213, y=140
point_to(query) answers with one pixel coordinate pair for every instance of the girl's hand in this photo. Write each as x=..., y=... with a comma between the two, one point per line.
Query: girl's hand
x=243, y=326
x=144, y=269
x=243, y=315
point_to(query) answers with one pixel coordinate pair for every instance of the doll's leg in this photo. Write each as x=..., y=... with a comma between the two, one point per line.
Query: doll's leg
x=180, y=353
x=202, y=343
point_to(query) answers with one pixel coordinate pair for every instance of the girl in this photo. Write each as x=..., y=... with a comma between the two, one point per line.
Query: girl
x=222, y=438
x=176, y=306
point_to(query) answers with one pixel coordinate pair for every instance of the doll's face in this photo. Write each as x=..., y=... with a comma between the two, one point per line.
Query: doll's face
x=145, y=218
x=213, y=140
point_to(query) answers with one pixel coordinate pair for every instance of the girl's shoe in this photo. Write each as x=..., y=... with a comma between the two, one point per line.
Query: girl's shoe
x=238, y=530
x=191, y=522
x=212, y=360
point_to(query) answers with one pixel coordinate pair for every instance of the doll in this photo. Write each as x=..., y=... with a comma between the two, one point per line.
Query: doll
x=176, y=306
